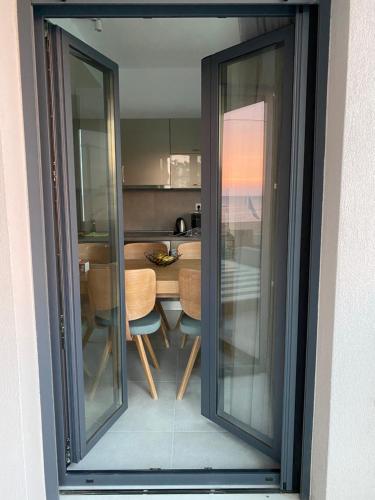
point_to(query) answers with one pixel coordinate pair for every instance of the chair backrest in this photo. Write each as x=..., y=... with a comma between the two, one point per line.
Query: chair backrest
x=102, y=285
x=138, y=250
x=140, y=292
x=95, y=253
x=190, y=250
x=190, y=292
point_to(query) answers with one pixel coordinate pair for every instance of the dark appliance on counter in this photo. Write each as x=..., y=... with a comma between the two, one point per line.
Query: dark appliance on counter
x=196, y=219
x=181, y=226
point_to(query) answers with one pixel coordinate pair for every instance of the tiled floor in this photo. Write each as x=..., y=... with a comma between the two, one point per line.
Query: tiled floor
x=167, y=433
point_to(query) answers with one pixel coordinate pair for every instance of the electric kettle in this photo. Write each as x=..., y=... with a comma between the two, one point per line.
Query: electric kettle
x=181, y=226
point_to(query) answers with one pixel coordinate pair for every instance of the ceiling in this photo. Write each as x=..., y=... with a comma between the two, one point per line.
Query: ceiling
x=159, y=59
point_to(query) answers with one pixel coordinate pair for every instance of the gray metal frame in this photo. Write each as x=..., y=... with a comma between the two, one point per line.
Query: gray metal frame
x=211, y=232
x=39, y=192
x=61, y=46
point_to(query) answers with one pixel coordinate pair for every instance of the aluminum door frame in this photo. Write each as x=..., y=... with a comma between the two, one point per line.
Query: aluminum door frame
x=211, y=222
x=39, y=191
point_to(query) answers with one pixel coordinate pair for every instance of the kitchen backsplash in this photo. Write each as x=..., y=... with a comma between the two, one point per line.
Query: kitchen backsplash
x=157, y=210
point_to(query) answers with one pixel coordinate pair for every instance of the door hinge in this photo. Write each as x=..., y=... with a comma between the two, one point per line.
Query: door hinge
x=68, y=456
x=53, y=169
x=62, y=331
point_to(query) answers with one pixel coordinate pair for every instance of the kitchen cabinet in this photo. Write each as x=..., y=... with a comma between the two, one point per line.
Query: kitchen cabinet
x=161, y=153
x=145, y=146
x=186, y=171
x=185, y=135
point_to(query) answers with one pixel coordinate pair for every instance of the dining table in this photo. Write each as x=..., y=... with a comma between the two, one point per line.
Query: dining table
x=166, y=276
x=239, y=282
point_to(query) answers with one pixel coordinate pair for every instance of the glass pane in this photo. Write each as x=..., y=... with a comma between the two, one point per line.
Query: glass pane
x=95, y=183
x=250, y=111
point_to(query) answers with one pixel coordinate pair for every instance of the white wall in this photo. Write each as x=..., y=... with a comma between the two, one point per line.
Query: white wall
x=343, y=462
x=21, y=464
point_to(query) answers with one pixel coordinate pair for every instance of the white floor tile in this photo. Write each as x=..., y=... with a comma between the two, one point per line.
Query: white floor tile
x=129, y=451
x=164, y=433
x=218, y=450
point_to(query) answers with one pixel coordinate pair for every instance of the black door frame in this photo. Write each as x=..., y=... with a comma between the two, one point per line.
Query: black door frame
x=37, y=145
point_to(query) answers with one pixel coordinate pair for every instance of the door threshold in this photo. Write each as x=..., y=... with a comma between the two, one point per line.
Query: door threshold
x=171, y=491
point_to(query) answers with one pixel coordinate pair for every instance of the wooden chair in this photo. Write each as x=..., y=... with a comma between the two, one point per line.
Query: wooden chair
x=102, y=281
x=102, y=314
x=137, y=251
x=95, y=253
x=141, y=318
x=190, y=250
x=189, y=323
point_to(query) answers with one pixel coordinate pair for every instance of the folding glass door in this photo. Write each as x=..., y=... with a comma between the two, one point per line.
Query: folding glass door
x=247, y=106
x=89, y=211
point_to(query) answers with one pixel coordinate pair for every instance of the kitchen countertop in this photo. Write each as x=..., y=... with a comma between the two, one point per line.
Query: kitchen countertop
x=135, y=236
x=138, y=236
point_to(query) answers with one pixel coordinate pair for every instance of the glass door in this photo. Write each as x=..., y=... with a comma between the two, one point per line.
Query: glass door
x=89, y=213
x=247, y=107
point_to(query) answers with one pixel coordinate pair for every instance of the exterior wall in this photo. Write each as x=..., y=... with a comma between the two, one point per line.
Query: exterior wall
x=344, y=427
x=343, y=460
x=21, y=460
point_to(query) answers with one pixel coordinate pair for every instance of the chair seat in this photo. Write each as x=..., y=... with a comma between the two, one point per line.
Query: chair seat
x=190, y=326
x=144, y=326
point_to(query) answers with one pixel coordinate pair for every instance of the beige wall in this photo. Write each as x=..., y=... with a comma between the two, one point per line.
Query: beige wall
x=343, y=462
x=21, y=464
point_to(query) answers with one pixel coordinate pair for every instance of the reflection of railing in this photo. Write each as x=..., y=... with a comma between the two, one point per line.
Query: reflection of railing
x=239, y=282
x=252, y=208
x=241, y=208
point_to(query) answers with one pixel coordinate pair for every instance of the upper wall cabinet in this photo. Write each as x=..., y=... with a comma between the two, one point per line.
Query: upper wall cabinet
x=161, y=153
x=185, y=136
x=145, y=147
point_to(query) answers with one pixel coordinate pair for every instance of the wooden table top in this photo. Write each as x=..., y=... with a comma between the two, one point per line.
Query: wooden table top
x=167, y=276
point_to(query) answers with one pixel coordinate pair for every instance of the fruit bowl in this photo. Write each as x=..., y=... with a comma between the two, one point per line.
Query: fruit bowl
x=161, y=258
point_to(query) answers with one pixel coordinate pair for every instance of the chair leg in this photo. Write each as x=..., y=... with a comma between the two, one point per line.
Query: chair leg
x=184, y=337
x=116, y=358
x=164, y=318
x=164, y=335
x=151, y=351
x=179, y=320
x=87, y=335
x=189, y=368
x=103, y=363
x=183, y=341
x=146, y=366
x=85, y=340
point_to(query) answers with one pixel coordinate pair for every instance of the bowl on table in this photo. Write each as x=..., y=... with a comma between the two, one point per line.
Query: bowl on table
x=162, y=258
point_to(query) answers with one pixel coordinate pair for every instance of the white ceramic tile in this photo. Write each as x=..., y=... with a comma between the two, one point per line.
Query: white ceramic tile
x=146, y=414
x=165, y=433
x=129, y=450
x=188, y=416
x=219, y=450
x=167, y=359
